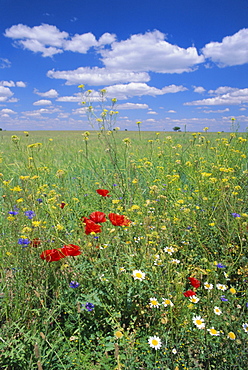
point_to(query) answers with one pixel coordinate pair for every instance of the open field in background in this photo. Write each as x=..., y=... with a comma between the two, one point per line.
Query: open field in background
x=161, y=286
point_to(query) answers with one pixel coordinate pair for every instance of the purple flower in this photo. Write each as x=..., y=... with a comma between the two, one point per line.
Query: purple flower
x=223, y=298
x=234, y=214
x=220, y=266
x=13, y=213
x=23, y=242
x=89, y=306
x=29, y=214
x=39, y=200
x=74, y=284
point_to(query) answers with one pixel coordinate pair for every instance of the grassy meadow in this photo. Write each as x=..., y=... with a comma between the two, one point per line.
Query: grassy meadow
x=123, y=250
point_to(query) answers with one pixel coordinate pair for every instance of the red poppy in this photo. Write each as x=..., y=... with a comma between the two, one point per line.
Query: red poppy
x=189, y=293
x=35, y=242
x=91, y=226
x=194, y=282
x=51, y=255
x=103, y=192
x=62, y=204
x=98, y=217
x=71, y=250
x=118, y=220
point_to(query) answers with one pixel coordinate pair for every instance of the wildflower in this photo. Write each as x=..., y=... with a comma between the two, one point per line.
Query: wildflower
x=245, y=327
x=174, y=351
x=103, y=192
x=35, y=242
x=194, y=282
x=62, y=205
x=155, y=342
x=51, y=255
x=221, y=287
x=194, y=299
x=175, y=261
x=208, y=286
x=98, y=217
x=24, y=242
x=36, y=223
x=234, y=214
x=231, y=335
x=213, y=331
x=169, y=250
x=118, y=334
x=138, y=275
x=71, y=250
x=13, y=213
x=29, y=214
x=232, y=290
x=118, y=220
x=199, y=322
x=223, y=298
x=39, y=200
x=217, y=311
x=167, y=302
x=91, y=226
x=189, y=293
x=74, y=284
x=220, y=266
x=154, y=303
x=89, y=306
x=122, y=269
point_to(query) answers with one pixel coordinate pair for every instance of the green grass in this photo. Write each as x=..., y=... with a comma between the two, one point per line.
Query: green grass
x=182, y=191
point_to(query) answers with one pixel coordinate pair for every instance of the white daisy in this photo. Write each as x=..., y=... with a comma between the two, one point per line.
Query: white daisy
x=167, y=302
x=221, y=287
x=214, y=332
x=208, y=286
x=199, y=322
x=217, y=311
x=169, y=250
x=194, y=299
x=231, y=335
x=138, y=275
x=155, y=342
x=154, y=303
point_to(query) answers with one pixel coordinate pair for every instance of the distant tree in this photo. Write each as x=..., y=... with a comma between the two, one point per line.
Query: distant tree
x=176, y=128
x=1, y=129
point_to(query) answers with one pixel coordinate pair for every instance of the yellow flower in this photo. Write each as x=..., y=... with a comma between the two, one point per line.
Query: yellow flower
x=36, y=223
x=59, y=227
x=10, y=218
x=231, y=335
x=232, y=290
x=19, y=200
x=118, y=334
x=16, y=188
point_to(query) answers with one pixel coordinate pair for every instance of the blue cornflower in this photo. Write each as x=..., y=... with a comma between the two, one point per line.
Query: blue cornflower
x=74, y=284
x=24, y=242
x=234, y=214
x=13, y=213
x=30, y=214
x=39, y=200
x=220, y=266
x=89, y=306
x=223, y=298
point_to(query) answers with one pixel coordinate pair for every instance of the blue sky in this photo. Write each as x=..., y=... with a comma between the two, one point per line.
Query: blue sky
x=169, y=63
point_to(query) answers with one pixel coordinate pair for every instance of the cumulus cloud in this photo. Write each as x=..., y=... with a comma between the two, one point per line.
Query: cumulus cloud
x=5, y=93
x=20, y=84
x=125, y=91
x=48, y=94
x=234, y=97
x=217, y=111
x=7, y=111
x=4, y=63
x=150, y=52
x=42, y=102
x=97, y=76
x=132, y=106
x=233, y=50
x=80, y=43
x=199, y=89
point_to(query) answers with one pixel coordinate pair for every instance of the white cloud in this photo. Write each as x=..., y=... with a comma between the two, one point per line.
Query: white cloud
x=97, y=76
x=20, y=84
x=132, y=106
x=150, y=52
x=152, y=112
x=48, y=94
x=70, y=99
x=5, y=93
x=80, y=43
x=217, y=111
x=106, y=38
x=7, y=83
x=222, y=90
x=199, y=89
x=171, y=111
x=4, y=63
x=233, y=50
x=42, y=102
x=125, y=91
x=235, y=97
x=7, y=111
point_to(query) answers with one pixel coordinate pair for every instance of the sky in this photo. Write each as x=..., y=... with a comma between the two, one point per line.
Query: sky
x=170, y=63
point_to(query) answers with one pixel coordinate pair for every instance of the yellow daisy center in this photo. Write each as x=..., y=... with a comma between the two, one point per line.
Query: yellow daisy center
x=154, y=342
x=138, y=275
x=198, y=322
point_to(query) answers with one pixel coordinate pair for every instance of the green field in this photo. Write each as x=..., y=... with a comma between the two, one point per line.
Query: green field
x=157, y=280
